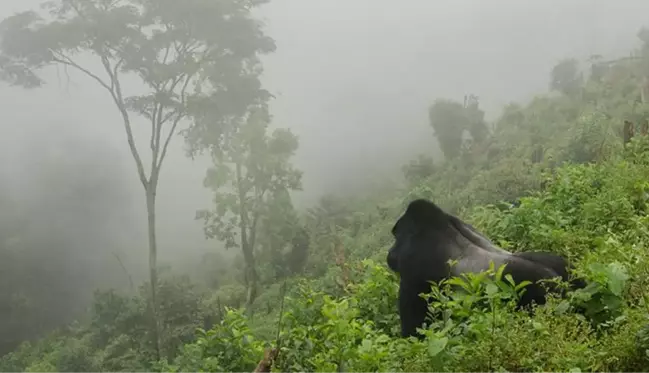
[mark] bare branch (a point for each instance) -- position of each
(115, 71)
(114, 89)
(118, 98)
(160, 122)
(157, 108)
(170, 134)
(66, 61)
(156, 112)
(167, 50)
(266, 363)
(181, 114)
(126, 272)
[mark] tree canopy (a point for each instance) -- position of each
(251, 169)
(197, 59)
(451, 120)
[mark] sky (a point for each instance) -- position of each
(352, 78)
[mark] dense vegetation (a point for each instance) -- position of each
(553, 174)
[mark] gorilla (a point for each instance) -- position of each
(426, 237)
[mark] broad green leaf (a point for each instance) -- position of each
(436, 345)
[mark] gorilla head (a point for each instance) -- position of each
(426, 238)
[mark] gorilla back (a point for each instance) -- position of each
(551, 260)
(426, 237)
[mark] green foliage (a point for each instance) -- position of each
(603, 298)
(325, 222)
(117, 334)
(120, 325)
(251, 178)
(284, 241)
(476, 125)
(478, 331)
(451, 119)
(228, 347)
(245, 169)
(582, 195)
(418, 170)
(198, 61)
(566, 78)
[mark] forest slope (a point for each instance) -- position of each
(579, 192)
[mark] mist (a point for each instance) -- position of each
(353, 79)
(358, 76)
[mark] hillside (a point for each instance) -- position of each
(553, 175)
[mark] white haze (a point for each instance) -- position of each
(353, 78)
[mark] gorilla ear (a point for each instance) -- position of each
(425, 212)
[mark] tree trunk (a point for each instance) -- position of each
(247, 242)
(266, 364)
(628, 131)
(251, 277)
(150, 191)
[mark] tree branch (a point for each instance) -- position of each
(115, 91)
(118, 99)
(121, 264)
(257, 214)
(157, 126)
(116, 69)
(64, 60)
(155, 112)
(181, 114)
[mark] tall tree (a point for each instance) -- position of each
(249, 168)
(418, 169)
(197, 59)
(566, 78)
(283, 239)
(449, 121)
(476, 124)
(643, 68)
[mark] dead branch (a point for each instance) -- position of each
(265, 365)
(121, 264)
(628, 131)
(341, 261)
